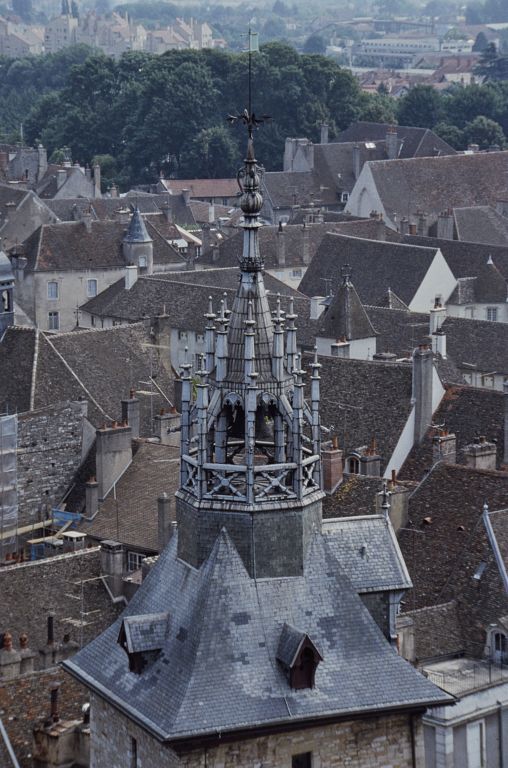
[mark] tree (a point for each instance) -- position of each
(314, 44)
(421, 107)
(274, 28)
(481, 42)
(65, 10)
(211, 154)
(484, 132)
(451, 134)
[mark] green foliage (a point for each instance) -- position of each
(314, 44)
(422, 107)
(144, 114)
(484, 132)
(487, 12)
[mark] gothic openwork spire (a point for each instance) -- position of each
(250, 443)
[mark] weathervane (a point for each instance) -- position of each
(247, 117)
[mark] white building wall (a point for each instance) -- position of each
(438, 281)
(364, 198)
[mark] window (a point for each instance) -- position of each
(142, 262)
(475, 741)
(134, 753)
(353, 465)
(134, 560)
(296, 273)
(182, 335)
(5, 301)
(344, 197)
(492, 314)
(54, 321)
(303, 760)
(91, 287)
(52, 289)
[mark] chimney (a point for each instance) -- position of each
(91, 497)
(445, 225)
(392, 143)
(211, 213)
(422, 224)
(164, 520)
(54, 688)
(437, 316)
(88, 173)
(316, 307)
(404, 226)
(281, 246)
(131, 276)
(356, 161)
(331, 466)
(423, 371)
(439, 343)
(412, 229)
(97, 180)
(113, 454)
(444, 448)
(399, 505)
(480, 455)
(340, 348)
(10, 660)
(370, 461)
(131, 413)
(167, 428)
(473, 148)
(86, 218)
(324, 133)
(61, 177)
(186, 196)
(113, 190)
(168, 212)
(48, 656)
(112, 565)
(27, 655)
(42, 161)
(306, 244)
(289, 153)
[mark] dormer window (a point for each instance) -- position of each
(298, 656)
(142, 638)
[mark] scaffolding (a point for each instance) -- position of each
(8, 486)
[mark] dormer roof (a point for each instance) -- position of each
(291, 644)
(345, 316)
(137, 232)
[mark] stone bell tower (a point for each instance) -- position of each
(250, 444)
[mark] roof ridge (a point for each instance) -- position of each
(35, 360)
(384, 242)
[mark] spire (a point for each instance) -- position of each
(136, 232)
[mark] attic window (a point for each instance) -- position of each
(298, 656)
(142, 638)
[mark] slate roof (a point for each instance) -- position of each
(231, 249)
(414, 142)
(453, 497)
(145, 633)
(227, 277)
(284, 189)
(223, 635)
(291, 640)
(129, 515)
(477, 342)
(468, 412)
(465, 259)
(398, 330)
(107, 208)
(17, 347)
(149, 296)
(345, 316)
(356, 495)
(362, 399)
(136, 231)
(375, 267)
(99, 366)
(203, 187)
(482, 224)
(433, 184)
(68, 245)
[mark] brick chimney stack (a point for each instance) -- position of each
(423, 372)
(481, 455)
(331, 463)
(131, 413)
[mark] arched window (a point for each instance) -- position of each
(5, 301)
(499, 647)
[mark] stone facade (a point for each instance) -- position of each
(26, 699)
(370, 743)
(50, 449)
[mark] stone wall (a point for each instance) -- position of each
(49, 454)
(30, 591)
(26, 699)
(383, 741)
